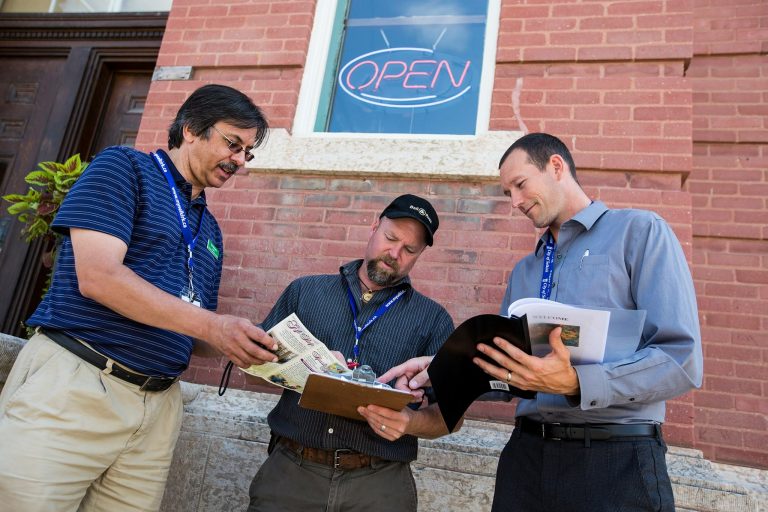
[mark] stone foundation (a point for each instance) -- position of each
(224, 440)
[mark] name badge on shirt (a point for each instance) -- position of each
(190, 297)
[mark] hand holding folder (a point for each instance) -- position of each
(456, 380)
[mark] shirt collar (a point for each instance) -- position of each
(587, 217)
(180, 181)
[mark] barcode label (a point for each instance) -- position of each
(498, 385)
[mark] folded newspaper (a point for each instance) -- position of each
(299, 354)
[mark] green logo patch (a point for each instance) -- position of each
(213, 249)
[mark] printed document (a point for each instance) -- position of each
(584, 330)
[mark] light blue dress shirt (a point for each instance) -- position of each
(627, 259)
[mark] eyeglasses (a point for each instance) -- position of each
(235, 148)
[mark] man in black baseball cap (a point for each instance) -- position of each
(409, 205)
(370, 314)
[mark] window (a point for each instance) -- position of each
(84, 5)
(401, 67)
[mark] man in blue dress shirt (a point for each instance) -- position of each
(591, 439)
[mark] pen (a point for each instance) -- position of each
(581, 262)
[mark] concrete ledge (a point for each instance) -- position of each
(223, 442)
(10, 346)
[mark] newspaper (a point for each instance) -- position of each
(585, 331)
(299, 354)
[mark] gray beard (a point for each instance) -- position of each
(381, 277)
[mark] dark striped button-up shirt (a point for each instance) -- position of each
(414, 326)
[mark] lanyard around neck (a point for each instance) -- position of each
(186, 231)
(549, 267)
(359, 329)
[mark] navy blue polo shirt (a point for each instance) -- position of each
(124, 193)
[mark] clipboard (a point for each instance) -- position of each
(342, 397)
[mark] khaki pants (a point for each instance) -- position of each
(75, 439)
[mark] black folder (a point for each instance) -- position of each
(456, 380)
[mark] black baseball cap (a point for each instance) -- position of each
(414, 207)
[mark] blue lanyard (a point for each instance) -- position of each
(186, 232)
(549, 267)
(359, 330)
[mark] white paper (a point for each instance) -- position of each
(584, 330)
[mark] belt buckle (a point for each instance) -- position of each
(337, 455)
(146, 384)
(151, 382)
(544, 431)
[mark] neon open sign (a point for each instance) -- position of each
(405, 78)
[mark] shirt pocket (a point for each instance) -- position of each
(586, 281)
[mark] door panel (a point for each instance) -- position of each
(119, 123)
(28, 88)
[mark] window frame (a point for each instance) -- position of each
(315, 77)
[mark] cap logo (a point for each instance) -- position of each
(422, 212)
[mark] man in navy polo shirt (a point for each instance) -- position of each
(91, 411)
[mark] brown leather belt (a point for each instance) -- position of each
(337, 459)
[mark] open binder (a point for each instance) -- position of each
(456, 380)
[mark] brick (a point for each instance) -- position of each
(633, 8)
(733, 386)
(323, 232)
(634, 37)
(265, 261)
(605, 53)
(549, 54)
(720, 436)
(634, 143)
(661, 113)
(476, 276)
(714, 400)
(276, 229)
(607, 23)
(758, 405)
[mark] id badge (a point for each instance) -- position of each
(190, 297)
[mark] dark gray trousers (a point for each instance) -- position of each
(285, 482)
(617, 475)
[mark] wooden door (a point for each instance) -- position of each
(68, 84)
(28, 86)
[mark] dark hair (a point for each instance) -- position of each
(540, 147)
(213, 103)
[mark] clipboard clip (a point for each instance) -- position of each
(364, 373)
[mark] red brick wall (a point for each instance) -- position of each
(729, 186)
(617, 80)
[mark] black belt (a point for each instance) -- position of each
(586, 432)
(145, 382)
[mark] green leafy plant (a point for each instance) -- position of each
(49, 184)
